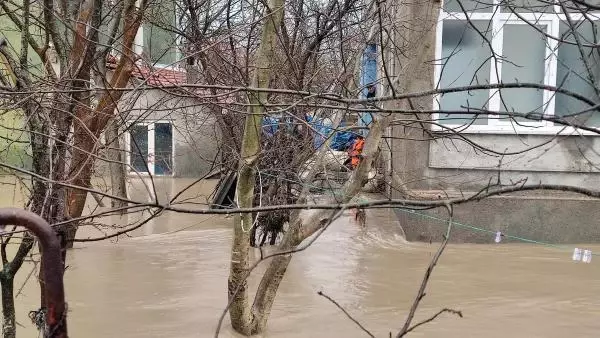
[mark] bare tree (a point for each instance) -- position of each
(62, 125)
(251, 62)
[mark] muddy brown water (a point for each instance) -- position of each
(169, 280)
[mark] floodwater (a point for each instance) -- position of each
(169, 280)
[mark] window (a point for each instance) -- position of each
(516, 41)
(159, 34)
(150, 148)
(368, 81)
(571, 70)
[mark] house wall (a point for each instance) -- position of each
(194, 130)
(568, 160)
(548, 218)
(195, 133)
(454, 166)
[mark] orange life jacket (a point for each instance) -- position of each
(355, 151)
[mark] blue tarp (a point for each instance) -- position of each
(340, 140)
(270, 125)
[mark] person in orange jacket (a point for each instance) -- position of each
(355, 153)
(354, 158)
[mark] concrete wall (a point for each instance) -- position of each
(555, 219)
(571, 160)
(194, 129)
(196, 136)
(454, 164)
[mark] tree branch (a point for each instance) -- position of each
(421, 293)
(321, 293)
(432, 318)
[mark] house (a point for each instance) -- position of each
(164, 134)
(530, 44)
(167, 134)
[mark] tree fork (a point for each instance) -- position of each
(239, 312)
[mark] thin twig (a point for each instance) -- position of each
(33, 270)
(421, 294)
(321, 293)
(432, 318)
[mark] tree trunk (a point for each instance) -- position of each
(239, 312)
(300, 229)
(9, 330)
(118, 174)
(414, 71)
(7, 278)
(96, 120)
(82, 167)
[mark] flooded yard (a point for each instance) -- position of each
(169, 279)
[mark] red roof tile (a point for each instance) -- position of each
(153, 76)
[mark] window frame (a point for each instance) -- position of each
(150, 125)
(498, 19)
(369, 74)
(179, 22)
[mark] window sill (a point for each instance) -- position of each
(514, 130)
(167, 67)
(133, 174)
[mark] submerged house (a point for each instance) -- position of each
(166, 134)
(479, 43)
(163, 134)
(472, 42)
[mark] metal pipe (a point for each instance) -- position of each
(52, 265)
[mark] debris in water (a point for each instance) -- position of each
(587, 256)
(498, 237)
(577, 254)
